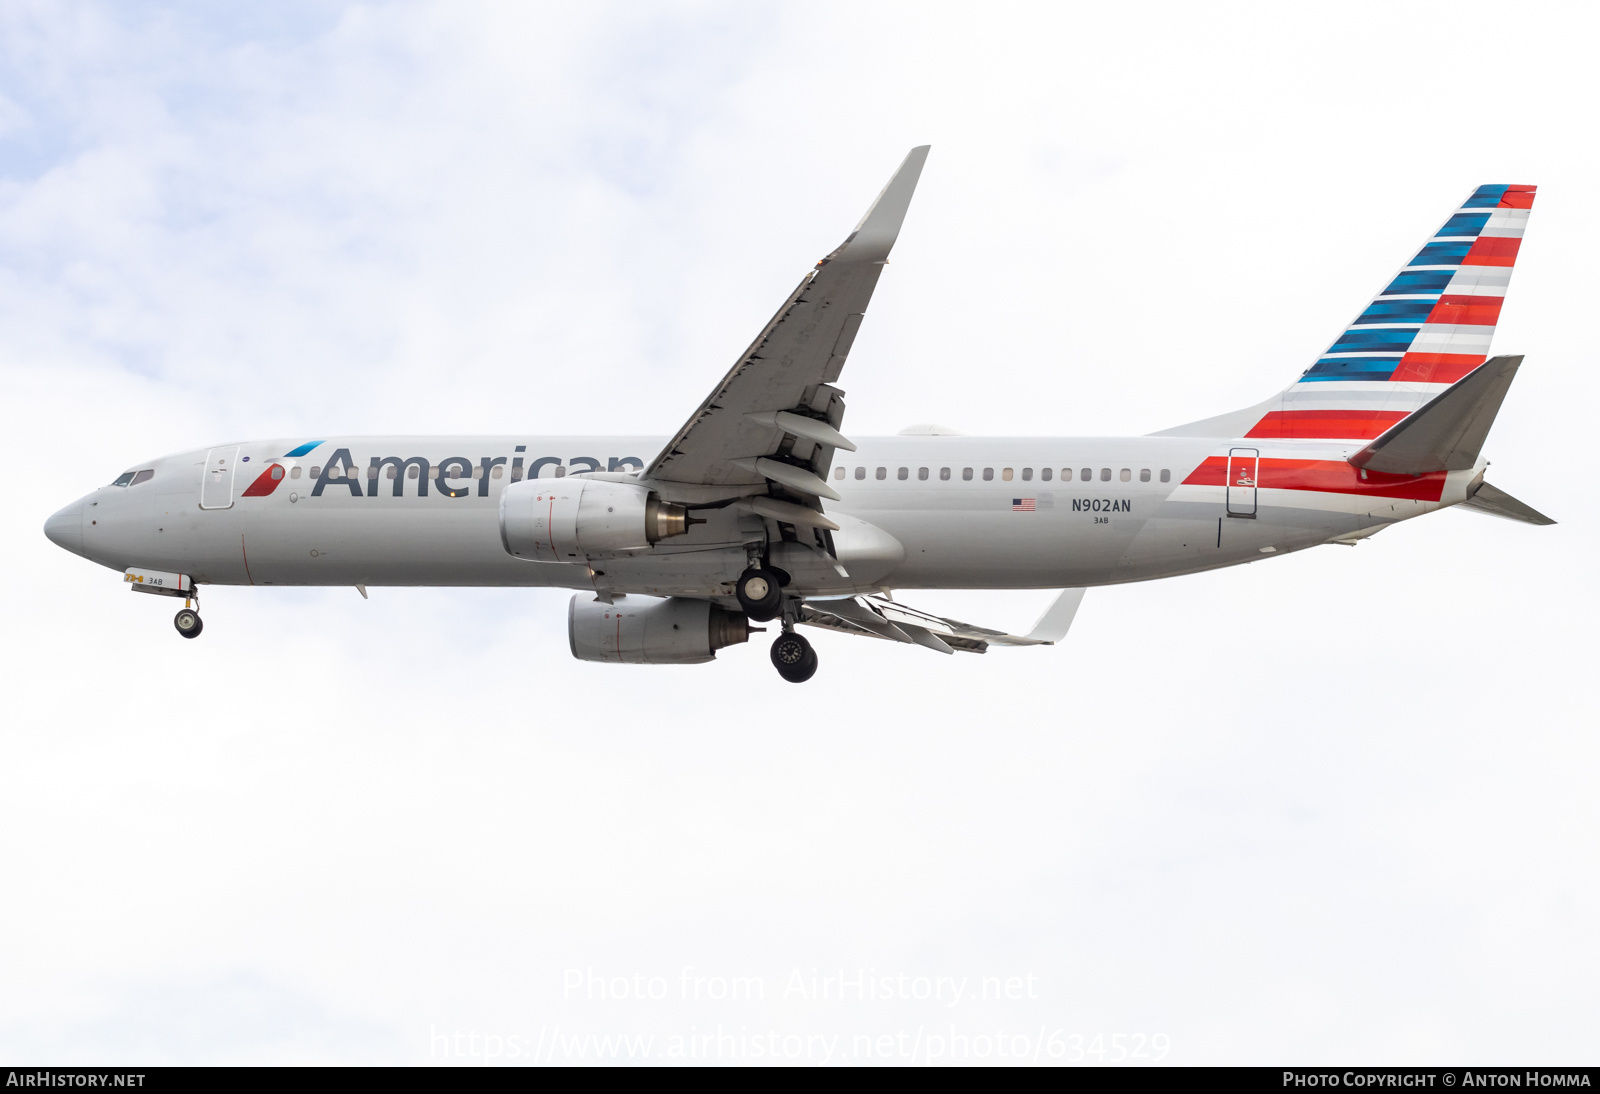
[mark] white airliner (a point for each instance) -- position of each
(759, 508)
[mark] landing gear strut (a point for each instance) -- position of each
(794, 658)
(188, 622)
(760, 594)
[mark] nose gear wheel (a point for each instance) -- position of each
(188, 623)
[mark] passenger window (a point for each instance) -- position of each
(1027, 474)
(1105, 474)
(477, 472)
(903, 474)
(411, 472)
(1086, 474)
(922, 474)
(316, 472)
(944, 474)
(143, 476)
(124, 479)
(1005, 474)
(1144, 474)
(861, 472)
(277, 473)
(966, 474)
(1126, 475)
(294, 472)
(495, 474)
(988, 474)
(838, 472)
(1166, 475)
(881, 474)
(1045, 473)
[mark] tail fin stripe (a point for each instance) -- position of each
(1493, 251)
(1352, 368)
(1355, 425)
(1505, 197)
(1422, 281)
(1441, 254)
(1467, 310)
(1386, 311)
(1507, 222)
(1375, 340)
(1465, 224)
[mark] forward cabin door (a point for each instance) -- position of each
(1243, 463)
(216, 487)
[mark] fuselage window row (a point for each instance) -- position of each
(1046, 474)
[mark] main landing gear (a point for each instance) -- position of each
(794, 658)
(760, 593)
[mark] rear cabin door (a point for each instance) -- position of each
(216, 487)
(1243, 463)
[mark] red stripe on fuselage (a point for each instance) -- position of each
(1324, 477)
(1325, 424)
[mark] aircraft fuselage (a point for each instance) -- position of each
(916, 512)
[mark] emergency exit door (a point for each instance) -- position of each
(216, 484)
(1243, 463)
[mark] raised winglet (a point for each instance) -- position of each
(1057, 618)
(875, 235)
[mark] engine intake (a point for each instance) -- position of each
(649, 630)
(570, 520)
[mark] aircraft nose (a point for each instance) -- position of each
(65, 529)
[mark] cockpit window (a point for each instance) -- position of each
(124, 479)
(143, 476)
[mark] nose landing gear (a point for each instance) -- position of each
(188, 623)
(794, 658)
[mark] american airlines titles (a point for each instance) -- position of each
(341, 471)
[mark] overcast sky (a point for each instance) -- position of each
(1338, 806)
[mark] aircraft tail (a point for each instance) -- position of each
(1429, 327)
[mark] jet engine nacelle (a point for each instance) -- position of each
(570, 520)
(649, 630)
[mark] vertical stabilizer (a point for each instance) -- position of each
(1428, 327)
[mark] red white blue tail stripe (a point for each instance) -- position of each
(1430, 325)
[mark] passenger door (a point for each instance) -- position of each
(216, 483)
(1243, 463)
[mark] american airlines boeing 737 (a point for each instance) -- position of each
(759, 508)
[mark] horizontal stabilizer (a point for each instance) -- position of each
(1498, 503)
(1446, 433)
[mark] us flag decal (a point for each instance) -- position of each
(1022, 505)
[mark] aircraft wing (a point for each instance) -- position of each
(771, 425)
(880, 617)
